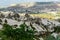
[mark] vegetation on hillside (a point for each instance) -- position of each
(25, 32)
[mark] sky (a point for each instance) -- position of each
(8, 2)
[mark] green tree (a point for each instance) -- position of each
(5, 21)
(57, 29)
(22, 33)
(2, 16)
(0, 21)
(9, 16)
(58, 37)
(50, 37)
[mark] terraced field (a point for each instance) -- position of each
(45, 15)
(49, 16)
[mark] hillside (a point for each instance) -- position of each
(33, 7)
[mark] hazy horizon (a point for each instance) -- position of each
(8, 2)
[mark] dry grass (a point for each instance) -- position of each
(49, 16)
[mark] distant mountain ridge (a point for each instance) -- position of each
(33, 7)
